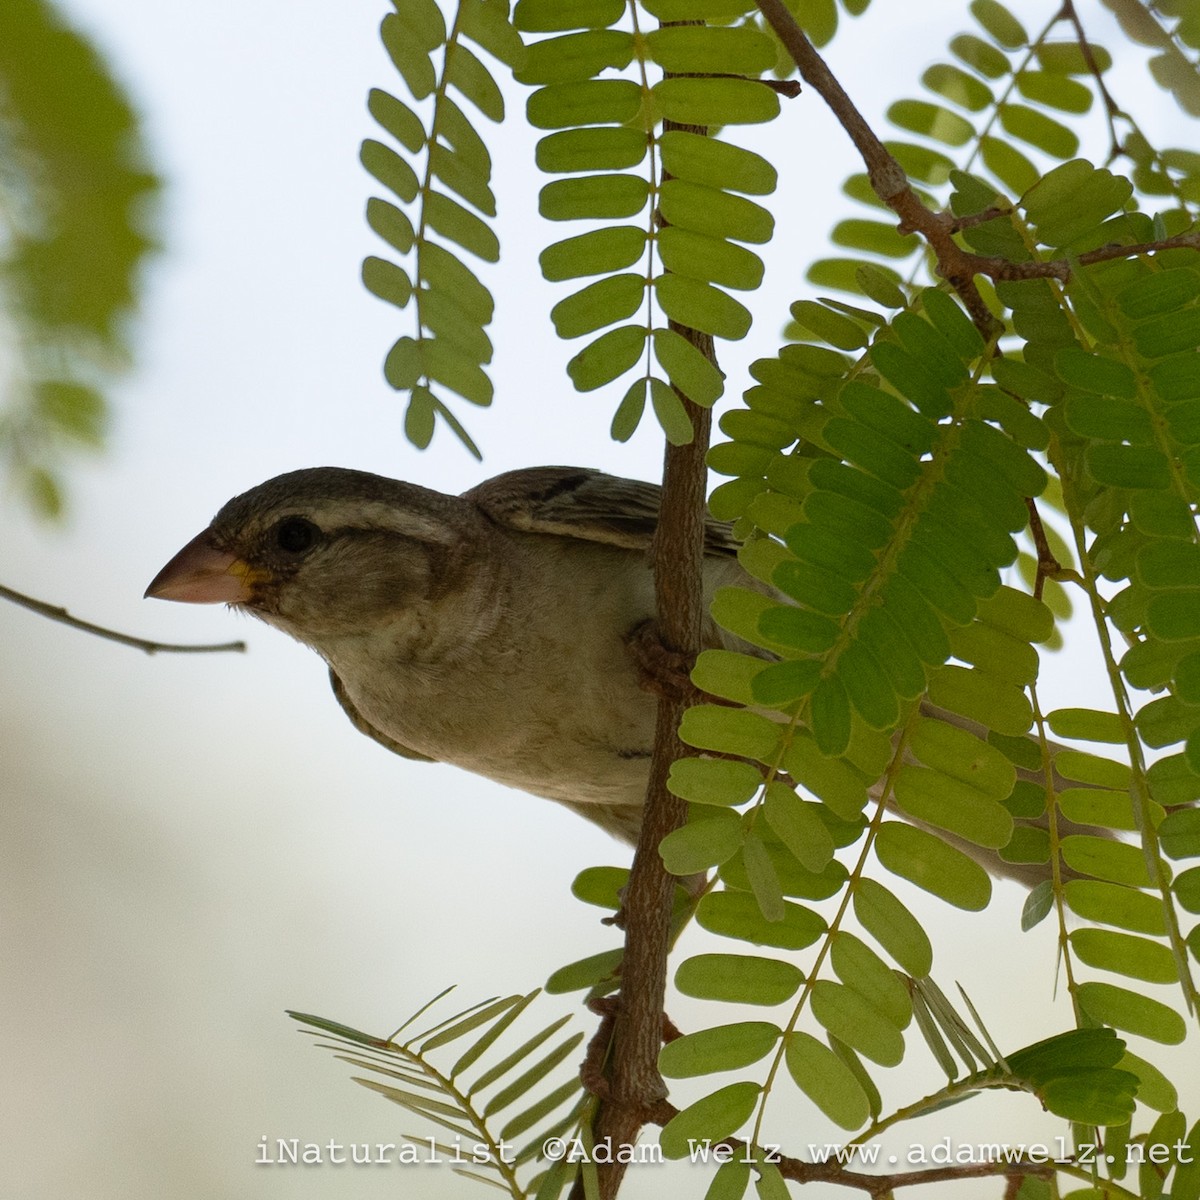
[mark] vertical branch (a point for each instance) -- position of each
(634, 1084)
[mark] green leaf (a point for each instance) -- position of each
(875, 237)
(614, 298)
(1086, 724)
(576, 56)
(932, 121)
(860, 968)
(738, 914)
(702, 843)
(1066, 58)
(1117, 862)
(829, 325)
(933, 865)
(698, 256)
(599, 197)
(1179, 834)
(705, 160)
(688, 369)
(715, 101)
(1108, 1004)
(937, 799)
(959, 753)
(448, 365)
(387, 281)
(1039, 130)
(1038, 905)
(420, 417)
(462, 177)
(1000, 23)
(738, 978)
(981, 55)
(586, 973)
(851, 1018)
(826, 1080)
(602, 149)
(462, 227)
(553, 16)
(958, 86)
(725, 1048)
(391, 224)
(1008, 164)
(832, 780)
(467, 73)
(711, 1119)
(891, 924)
(597, 253)
(707, 49)
(713, 781)
(441, 316)
(600, 886)
(607, 358)
(797, 824)
(528, 1079)
(408, 46)
(982, 697)
(672, 416)
(584, 102)
(1055, 91)
(1154, 1089)
(1115, 904)
(443, 272)
(699, 306)
(390, 169)
(397, 118)
(713, 212)
(1125, 954)
(730, 731)
(629, 412)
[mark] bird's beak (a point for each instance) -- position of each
(203, 573)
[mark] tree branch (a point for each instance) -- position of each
(956, 265)
(634, 1086)
(63, 617)
(834, 1172)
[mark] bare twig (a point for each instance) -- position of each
(54, 613)
(1112, 110)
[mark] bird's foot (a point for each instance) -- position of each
(662, 670)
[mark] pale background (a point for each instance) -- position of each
(193, 844)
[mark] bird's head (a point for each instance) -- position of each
(321, 552)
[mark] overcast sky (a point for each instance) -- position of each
(194, 844)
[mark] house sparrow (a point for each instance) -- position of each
(490, 630)
(495, 630)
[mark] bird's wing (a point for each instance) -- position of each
(582, 503)
(364, 726)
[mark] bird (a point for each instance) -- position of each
(497, 630)
(502, 630)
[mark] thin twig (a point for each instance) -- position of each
(54, 613)
(1112, 110)
(834, 1172)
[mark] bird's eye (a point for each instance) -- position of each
(295, 535)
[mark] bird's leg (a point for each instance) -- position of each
(591, 1070)
(661, 669)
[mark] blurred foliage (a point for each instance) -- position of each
(76, 205)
